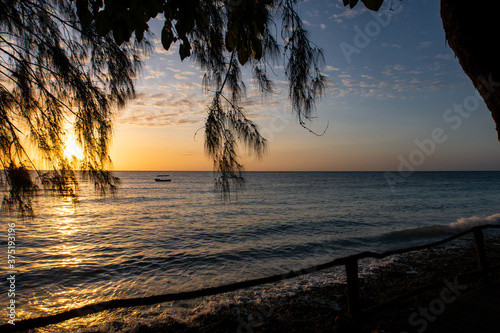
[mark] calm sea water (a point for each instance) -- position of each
(154, 237)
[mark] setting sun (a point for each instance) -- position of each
(72, 150)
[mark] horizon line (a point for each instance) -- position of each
(392, 171)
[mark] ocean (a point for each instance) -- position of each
(163, 237)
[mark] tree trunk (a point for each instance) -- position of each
(471, 30)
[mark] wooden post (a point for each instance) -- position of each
(481, 255)
(351, 270)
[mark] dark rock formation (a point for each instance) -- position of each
(471, 30)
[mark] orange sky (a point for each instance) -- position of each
(384, 100)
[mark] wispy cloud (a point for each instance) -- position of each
(320, 25)
(181, 76)
(185, 104)
(329, 68)
(160, 109)
(346, 13)
(444, 56)
(391, 70)
(424, 45)
(158, 47)
(395, 81)
(394, 45)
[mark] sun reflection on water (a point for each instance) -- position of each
(65, 218)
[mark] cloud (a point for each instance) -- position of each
(161, 71)
(391, 69)
(394, 45)
(434, 85)
(349, 82)
(313, 12)
(397, 86)
(347, 13)
(154, 74)
(189, 86)
(322, 25)
(329, 68)
(161, 109)
(184, 104)
(158, 47)
(180, 77)
(424, 45)
(183, 75)
(444, 56)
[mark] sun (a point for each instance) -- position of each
(72, 150)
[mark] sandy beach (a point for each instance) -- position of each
(314, 310)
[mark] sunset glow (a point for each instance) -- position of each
(72, 150)
(390, 88)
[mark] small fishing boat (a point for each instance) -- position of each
(162, 178)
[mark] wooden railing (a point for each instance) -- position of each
(351, 268)
(351, 263)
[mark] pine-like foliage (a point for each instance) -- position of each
(222, 37)
(73, 61)
(56, 78)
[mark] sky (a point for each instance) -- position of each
(397, 100)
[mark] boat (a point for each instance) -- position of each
(162, 178)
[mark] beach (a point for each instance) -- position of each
(315, 309)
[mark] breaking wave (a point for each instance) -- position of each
(466, 223)
(432, 231)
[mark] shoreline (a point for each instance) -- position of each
(314, 309)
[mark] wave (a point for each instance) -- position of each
(432, 231)
(466, 223)
(421, 232)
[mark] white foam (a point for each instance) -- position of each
(465, 223)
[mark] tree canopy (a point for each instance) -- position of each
(222, 37)
(73, 62)
(66, 66)
(469, 30)
(57, 78)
